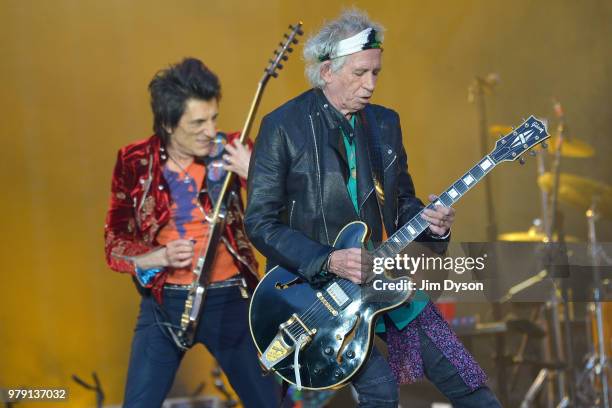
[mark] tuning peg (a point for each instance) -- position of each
(281, 44)
(286, 35)
(521, 161)
(297, 29)
(284, 58)
(295, 41)
(544, 145)
(289, 49)
(279, 66)
(274, 74)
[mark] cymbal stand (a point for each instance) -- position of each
(554, 225)
(544, 374)
(543, 222)
(551, 224)
(597, 360)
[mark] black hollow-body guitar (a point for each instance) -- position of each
(319, 337)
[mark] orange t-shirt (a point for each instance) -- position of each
(187, 221)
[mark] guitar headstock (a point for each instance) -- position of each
(280, 54)
(511, 146)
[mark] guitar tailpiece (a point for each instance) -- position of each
(296, 363)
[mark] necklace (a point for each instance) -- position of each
(187, 178)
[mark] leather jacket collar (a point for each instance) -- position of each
(335, 122)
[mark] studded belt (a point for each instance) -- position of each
(214, 285)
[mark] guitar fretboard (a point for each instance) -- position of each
(413, 228)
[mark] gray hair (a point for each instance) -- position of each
(326, 40)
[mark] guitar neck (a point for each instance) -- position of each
(270, 71)
(413, 228)
(243, 137)
(246, 129)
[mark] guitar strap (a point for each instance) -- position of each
(375, 154)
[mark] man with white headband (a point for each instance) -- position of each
(330, 157)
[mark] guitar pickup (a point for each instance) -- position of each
(280, 347)
(195, 310)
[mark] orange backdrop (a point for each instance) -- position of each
(74, 89)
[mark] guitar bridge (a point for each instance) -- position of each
(285, 341)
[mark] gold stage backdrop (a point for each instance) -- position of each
(74, 89)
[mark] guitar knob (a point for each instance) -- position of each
(317, 371)
(329, 351)
(337, 373)
(350, 354)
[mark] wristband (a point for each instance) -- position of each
(145, 276)
(434, 236)
(325, 270)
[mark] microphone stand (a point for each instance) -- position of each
(476, 94)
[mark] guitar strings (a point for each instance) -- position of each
(313, 313)
(316, 310)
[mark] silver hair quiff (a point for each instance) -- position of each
(326, 40)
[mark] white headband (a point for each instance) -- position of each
(364, 40)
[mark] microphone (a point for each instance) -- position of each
(482, 85)
(491, 80)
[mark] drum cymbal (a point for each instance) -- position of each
(572, 147)
(531, 235)
(580, 192)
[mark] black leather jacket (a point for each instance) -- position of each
(297, 195)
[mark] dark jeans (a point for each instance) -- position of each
(223, 329)
(377, 387)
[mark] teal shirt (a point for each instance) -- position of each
(402, 315)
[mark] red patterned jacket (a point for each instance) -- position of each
(140, 206)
